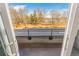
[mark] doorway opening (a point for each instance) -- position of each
(39, 27)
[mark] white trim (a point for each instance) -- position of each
(4, 39)
(71, 30)
(8, 24)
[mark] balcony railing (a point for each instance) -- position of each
(40, 32)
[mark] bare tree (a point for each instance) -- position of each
(66, 13)
(23, 14)
(14, 16)
(55, 15)
(33, 18)
(40, 13)
(23, 11)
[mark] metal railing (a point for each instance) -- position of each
(40, 32)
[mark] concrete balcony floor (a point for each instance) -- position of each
(39, 46)
(40, 52)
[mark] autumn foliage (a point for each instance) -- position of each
(37, 19)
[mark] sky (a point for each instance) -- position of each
(46, 6)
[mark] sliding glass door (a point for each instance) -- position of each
(71, 30)
(10, 43)
(8, 40)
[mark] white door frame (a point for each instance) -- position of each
(5, 14)
(71, 30)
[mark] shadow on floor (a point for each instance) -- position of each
(40, 49)
(40, 52)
